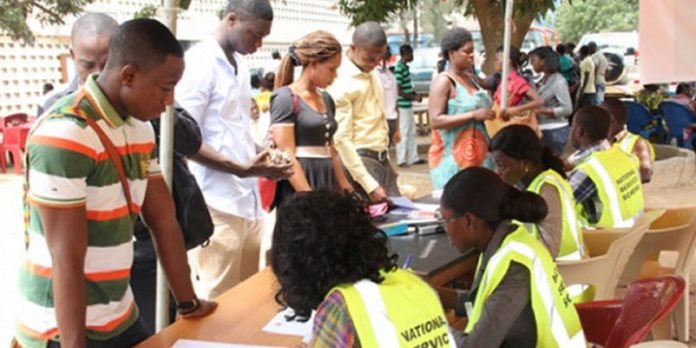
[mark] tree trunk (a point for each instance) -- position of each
(404, 27)
(491, 19)
(415, 28)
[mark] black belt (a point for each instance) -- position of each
(380, 156)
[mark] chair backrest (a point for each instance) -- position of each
(16, 137)
(603, 269)
(638, 117)
(13, 120)
(675, 230)
(646, 302)
(678, 117)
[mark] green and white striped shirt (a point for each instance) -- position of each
(403, 80)
(67, 166)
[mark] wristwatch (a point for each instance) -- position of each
(187, 307)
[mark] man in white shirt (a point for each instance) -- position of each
(388, 80)
(216, 91)
(601, 66)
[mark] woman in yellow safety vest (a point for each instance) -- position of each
(328, 256)
(522, 159)
(518, 298)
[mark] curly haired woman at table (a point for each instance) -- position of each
(328, 256)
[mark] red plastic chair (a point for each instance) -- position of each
(617, 323)
(15, 140)
(3, 159)
(13, 120)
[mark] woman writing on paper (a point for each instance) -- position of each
(518, 298)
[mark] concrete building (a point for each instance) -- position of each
(25, 69)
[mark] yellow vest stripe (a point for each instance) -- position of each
(568, 210)
(384, 331)
(614, 199)
(401, 311)
(556, 319)
(545, 293)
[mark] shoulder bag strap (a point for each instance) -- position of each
(295, 103)
(108, 146)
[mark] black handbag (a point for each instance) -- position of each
(191, 209)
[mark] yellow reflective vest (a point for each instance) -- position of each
(557, 321)
(628, 142)
(402, 311)
(619, 187)
(572, 246)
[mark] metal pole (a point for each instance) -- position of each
(506, 54)
(166, 160)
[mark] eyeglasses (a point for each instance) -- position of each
(442, 220)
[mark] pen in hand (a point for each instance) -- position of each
(407, 262)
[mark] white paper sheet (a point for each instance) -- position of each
(437, 194)
(206, 344)
(429, 207)
(403, 202)
(280, 325)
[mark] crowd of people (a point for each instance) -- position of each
(92, 174)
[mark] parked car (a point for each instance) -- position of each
(423, 68)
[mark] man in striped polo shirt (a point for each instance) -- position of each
(74, 280)
(406, 150)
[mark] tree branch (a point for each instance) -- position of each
(47, 11)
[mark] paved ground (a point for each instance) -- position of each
(11, 235)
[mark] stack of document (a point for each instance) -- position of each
(418, 215)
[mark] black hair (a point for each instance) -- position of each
(683, 88)
(521, 143)
(592, 46)
(276, 55)
(517, 58)
(481, 192)
(570, 46)
(321, 239)
(250, 9)
(93, 25)
(142, 42)
(405, 49)
(594, 121)
(454, 39)
(47, 87)
(268, 80)
(616, 108)
(552, 61)
(369, 34)
(561, 49)
(584, 51)
(255, 81)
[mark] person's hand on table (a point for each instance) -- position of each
(378, 195)
(205, 307)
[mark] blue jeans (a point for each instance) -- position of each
(599, 95)
(556, 138)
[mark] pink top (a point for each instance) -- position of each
(517, 88)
